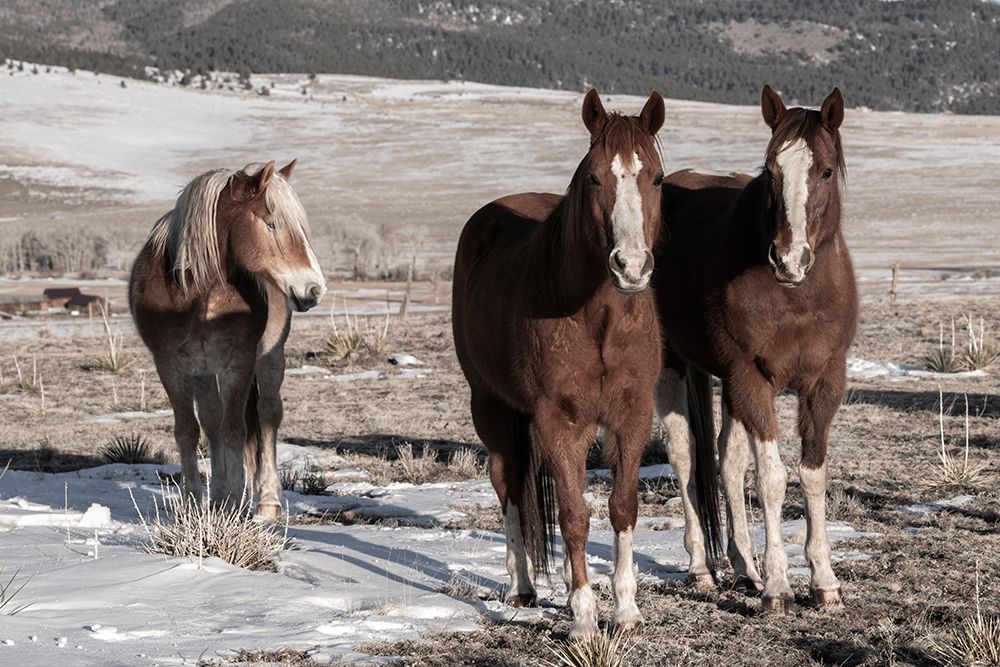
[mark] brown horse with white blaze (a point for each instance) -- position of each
(212, 293)
(558, 337)
(755, 286)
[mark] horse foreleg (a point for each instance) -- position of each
(270, 372)
(229, 480)
(734, 459)
(186, 430)
(771, 482)
(671, 405)
(624, 453)
(564, 448)
(816, 410)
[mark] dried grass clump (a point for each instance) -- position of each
(465, 464)
(598, 650)
(28, 384)
(980, 351)
(416, 470)
(975, 642)
(362, 336)
(187, 527)
(956, 471)
(9, 591)
(130, 449)
(304, 480)
(461, 587)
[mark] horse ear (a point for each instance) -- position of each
(594, 115)
(771, 107)
(286, 171)
(832, 112)
(653, 113)
(260, 180)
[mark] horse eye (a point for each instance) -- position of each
(658, 181)
(827, 173)
(270, 224)
(593, 179)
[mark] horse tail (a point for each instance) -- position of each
(252, 451)
(706, 477)
(537, 495)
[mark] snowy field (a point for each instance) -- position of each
(96, 598)
(921, 188)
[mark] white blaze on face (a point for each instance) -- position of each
(795, 159)
(627, 219)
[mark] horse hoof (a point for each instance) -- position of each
(702, 583)
(750, 586)
(522, 600)
(830, 598)
(775, 606)
(269, 511)
(629, 625)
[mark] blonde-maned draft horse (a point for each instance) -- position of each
(212, 293)
(755, 286)
(558, 337)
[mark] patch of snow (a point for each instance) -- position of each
(306, 370)
(862, 370)
(938, 505)
(115, 417)
(352, 377)
(404, 359)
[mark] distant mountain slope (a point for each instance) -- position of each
(914, 55)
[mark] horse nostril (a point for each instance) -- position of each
(806, 260)
(314, 292)
(647, 266)
(772, 256)
(619, 263)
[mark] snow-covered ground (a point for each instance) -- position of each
(96, 597)
(921, 188)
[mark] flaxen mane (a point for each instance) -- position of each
(187, 237)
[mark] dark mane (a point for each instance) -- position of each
(799, 123)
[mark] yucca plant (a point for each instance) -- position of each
(360, 336)
(9, 591)
(956, 471)
(976, 641)
(113, 359)
(944, 359)
(130, 449)
(599, 650)
(188, 527)
(980, 352)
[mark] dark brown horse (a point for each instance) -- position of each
(212, 294)
(755, 286)
(558, 337)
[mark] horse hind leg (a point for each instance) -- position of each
(671, 405)
(734, 459)
(497, 425)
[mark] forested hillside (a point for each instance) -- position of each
(914, 55)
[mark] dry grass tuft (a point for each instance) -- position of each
(461, 587)
(283, 657)
(191, 528)
(980, 352)
(362, 336)
(304, 480)
(113, 358)
(25, 384)
(975, 642)
(465, 464)
(130, 449)
(416, 470)
(9, 591)
(956, 471)
(599, 650)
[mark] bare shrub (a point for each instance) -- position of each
(289, 477)
(9, 591)
(956, 470)
(602, 649)
(187, 527)
(416, 470)
(130, 449)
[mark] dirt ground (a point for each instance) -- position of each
(918, 583)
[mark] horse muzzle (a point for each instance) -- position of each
(788, 272)
(307, 299)
(630, 272)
